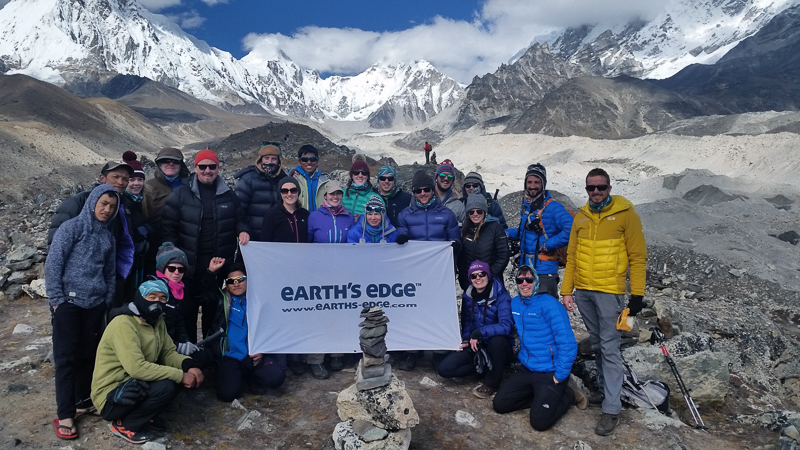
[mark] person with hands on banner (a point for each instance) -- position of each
(288, 221)
(238, 366)
(138, 370)
(482, 238)
(486, 324)
(374, 225)
(547, 350)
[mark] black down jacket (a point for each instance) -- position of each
(491, 247)
(257, 195)
(182, 217)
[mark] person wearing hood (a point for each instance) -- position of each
(359, 187)
(395, 198)
(138, 369)
(486, 325)
(373, 226)
(547, 350)
(288, 221)
(331, 222)
(80, 279)
(473, 184)
(543, 229)
(312, 181)
(445, 177)
(482, 239)
(258, 187)
(204, 220)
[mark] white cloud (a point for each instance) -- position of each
(158, 5)
(214, 2)
(187, 20)
(458, 48)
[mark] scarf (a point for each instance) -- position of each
(597, 207)
(426, 205)
(176, 289)
(136, 198)
(175, 181)
(333, 209)
(389, 195)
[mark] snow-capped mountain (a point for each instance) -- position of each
(80, 44)
(685, 32)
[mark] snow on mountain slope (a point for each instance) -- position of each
(63, 41)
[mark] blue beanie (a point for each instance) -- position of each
(387, 170)
(148, 287)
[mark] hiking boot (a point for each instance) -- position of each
(408, 362)
(134, 437)
(595, 398)
(437, 359)
(484, 391)
(337, 363)
(157, 424)
(606, 424)
(319, 371)
(580, 398)
(297, 367)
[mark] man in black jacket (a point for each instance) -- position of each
(396, 200)
(204, 220)
(258, 188)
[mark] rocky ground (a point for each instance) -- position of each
(735, 322)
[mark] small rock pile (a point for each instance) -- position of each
(377, 411)
(22, 272)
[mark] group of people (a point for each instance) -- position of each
(132, 264)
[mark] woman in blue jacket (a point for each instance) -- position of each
(486, 322)
(330, 223)
(373, 226)
(547, 350)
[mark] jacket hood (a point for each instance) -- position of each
(535, 283)
(87, 216)
(219, 183)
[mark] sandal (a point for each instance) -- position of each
(65, 431)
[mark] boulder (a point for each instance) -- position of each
(36, 289)
(21, 253)
(344, 438)
(389, 407)
(22, 329)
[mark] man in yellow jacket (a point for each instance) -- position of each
(605, 243)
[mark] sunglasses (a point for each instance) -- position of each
(170, 162)
(476, 275)
(203, 167)
(289, 191)
(472, 185)
(528, 280)
(176, 268)
(599, 187)
(360, 172)
(475, 212)
(421, 190)
(236, 280)
(309, 159)
(445, 175)
(386, 178)
(373, 209)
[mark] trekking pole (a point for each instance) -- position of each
(657, 336)
(211, 338)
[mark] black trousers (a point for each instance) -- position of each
(233, 373)
(76, 334)
(461, 364)
(548, 282)
(134, 417)
(547, 400)
(191, 304)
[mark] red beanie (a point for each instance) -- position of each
(205, 154)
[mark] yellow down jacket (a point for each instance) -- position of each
(602, 246)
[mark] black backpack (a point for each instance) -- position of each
(651, 394)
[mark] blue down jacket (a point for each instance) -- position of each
(434, 223)
(492, 317)
(557, 223)
(326, 228)
(547, 343)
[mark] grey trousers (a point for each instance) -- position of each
(600, 311)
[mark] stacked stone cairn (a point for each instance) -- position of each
(376, 410)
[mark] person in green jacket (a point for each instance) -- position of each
(138, 369)
(359, 188)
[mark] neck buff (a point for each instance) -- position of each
(373, 231)
(137, 198)
(359, 187)
(426, 205)
(333, 209)
(149, 311)
(599, 206)
(535, 203)
(176, 289)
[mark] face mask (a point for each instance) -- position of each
(149, 311)
(270, 168)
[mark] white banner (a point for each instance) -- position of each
(306, 298)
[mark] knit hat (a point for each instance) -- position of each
(332, 186)
(537, 170)
(359, 163)
(473, 177)
(446, 166)
(479, 265)
(269, 148)
(131, 158)
(287, 179)
(421, 180)
(375, 201)
(387, 170)
(150, 286)
(476, 201)
(307, 148)
(169, 153)
(205, 154)
(167, 254)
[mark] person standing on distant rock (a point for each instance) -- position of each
(427, 149)
(543, 229)
(312, 181)
(258, 188)
(606, 242)
(203, 219)
(395, 199)
(80, 278)
(359, 187)
(445, 177)
(473, 183)
(482, 239)
(547, 350)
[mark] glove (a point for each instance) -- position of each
(402, 239)
(128, 393)
(187, 348)
(635, 304)
(476, 334)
